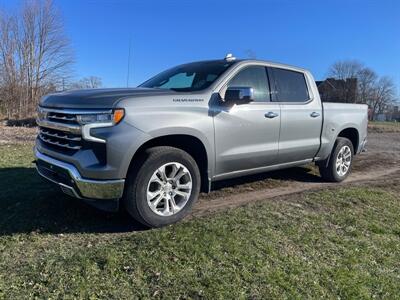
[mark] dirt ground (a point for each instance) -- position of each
(380, 163)
(17, 135)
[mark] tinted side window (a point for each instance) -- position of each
(254, 77)
(289, 86)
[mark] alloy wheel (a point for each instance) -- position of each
(169, 189)
(343, 161)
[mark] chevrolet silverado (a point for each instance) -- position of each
(154, 148)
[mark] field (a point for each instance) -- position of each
(384, 126)
(276, 235)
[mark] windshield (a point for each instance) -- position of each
(189, 77)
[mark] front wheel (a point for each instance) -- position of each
(340, 161)
(163, 189)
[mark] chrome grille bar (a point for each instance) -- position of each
(75, 111)
(60, 136)
(58, 143)
(72, 128)
(70, 118)
(62, 127)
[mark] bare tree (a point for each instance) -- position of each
(345, 69)
(383, 96)
(346, 74)
(378, 93)
(34, 56)
(91, 82)
(366, 79)
(8, 61)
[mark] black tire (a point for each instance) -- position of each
(328, 170)
(135, 195)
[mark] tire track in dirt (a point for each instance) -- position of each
(380, 163)
(208, 206)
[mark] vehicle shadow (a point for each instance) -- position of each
(28, 203)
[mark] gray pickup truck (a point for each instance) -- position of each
(157, 146)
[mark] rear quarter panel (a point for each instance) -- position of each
(340, 116)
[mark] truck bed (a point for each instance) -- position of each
(342, 115)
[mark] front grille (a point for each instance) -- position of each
(60, 130)
(60, 139)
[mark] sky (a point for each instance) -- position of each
(308, 34)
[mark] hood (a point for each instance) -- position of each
(97, 98)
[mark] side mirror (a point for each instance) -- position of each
(239, 95)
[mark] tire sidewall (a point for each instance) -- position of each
(143, 178)
(340, 143)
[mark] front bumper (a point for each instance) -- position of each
(71, 182)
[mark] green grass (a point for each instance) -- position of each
(385, 123)
(376, 126)
(331, 244)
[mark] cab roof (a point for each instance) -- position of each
(249, 61)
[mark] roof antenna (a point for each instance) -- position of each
(229, 57)
(129, 63)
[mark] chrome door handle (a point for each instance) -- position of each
(271, 115)
(314, 114)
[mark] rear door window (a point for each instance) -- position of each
(288, 86)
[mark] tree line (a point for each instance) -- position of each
(351, 81)
(35, 58)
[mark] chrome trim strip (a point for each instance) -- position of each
(55, 117)
(75, 129)
(88, 188)
(64, 137)
(76, 112)
(58, 143)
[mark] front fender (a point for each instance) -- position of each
(191, 121)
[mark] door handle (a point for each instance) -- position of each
(314, 114)
(271, 115)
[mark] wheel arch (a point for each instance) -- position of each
(353, 135)
(189, 143)
(349, 132)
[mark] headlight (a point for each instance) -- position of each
(104, 119)
(93, 120)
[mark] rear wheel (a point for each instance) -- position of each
(163, 188)
(340, 161)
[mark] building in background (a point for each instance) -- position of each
(338, 90)
(391, 114)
